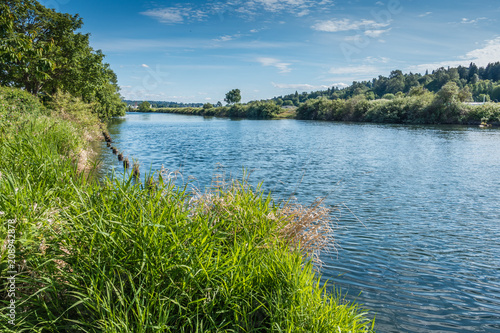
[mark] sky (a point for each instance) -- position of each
(197, 51)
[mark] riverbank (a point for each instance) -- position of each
(425, 108)
(125, 256)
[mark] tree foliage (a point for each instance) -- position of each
(474, 83)
(41, 53)
(233, 96)
(419, 107)
(144, 107)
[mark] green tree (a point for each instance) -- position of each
(233, 96)
(495, 94)
(41, 53)
(396, 82)
(207, 106)
(144, 107)
(465, 94)
(448, 94)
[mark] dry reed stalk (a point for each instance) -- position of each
(307, 227)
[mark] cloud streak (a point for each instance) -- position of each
(338, 25)
(185, 12)
(282, 66)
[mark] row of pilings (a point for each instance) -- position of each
(126, 163)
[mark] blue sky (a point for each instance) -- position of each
(197, 51)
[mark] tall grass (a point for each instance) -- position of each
(122, 256)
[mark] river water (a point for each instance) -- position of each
(417, 224)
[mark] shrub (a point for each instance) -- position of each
(15, 100)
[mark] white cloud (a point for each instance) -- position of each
(469, 21)
(373, 60)
(353, 70)
(425, 14)
(308, 87)
(302, 86)
(347, 25)
(481, 57)
(282, 66)
(340, 85)
(165, 15)
(303, 12)
(145, 66)
(227, 38)
(279, 5)
(376, 33)
(177, 14)
(182, 12)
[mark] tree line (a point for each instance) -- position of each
(162, 104)
(482, 82)
(419, 106)
(41, 53)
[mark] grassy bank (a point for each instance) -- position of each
(121, 256)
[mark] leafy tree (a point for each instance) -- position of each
(448, 93)
(417, 91)
(41, 53)
(144, 107)
(465, 94)
(495, 94)
(396, 82)
(233, 96)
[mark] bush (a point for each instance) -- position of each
(66, 106)
(17, 101)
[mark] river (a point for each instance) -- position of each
(417, 219)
